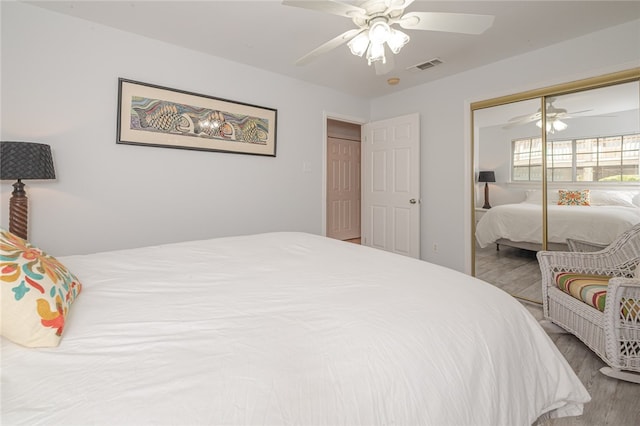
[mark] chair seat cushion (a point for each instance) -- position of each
(591, 289)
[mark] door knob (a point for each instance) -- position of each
(413, 201)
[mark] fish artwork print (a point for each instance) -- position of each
(154, 115)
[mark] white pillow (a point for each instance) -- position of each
(534, 196)
(613, 198)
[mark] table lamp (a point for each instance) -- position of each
(23, 160)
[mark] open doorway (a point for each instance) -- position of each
(384, 212)
(343, 200)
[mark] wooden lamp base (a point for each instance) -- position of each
(18, 210)
(486, 196)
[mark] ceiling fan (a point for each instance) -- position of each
(555, 116)
(375, 20)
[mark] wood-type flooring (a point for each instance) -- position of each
(614, 402)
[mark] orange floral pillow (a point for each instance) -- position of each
(574, 198)
(37, 292)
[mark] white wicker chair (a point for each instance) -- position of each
(615, 333)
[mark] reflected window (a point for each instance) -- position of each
(526, 160)
(560, 161)
(609, 159)
(603, 159)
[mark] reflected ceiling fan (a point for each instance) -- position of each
(555, 116)
(375, 32)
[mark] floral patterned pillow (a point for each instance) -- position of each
(574, 198)
(37, 292)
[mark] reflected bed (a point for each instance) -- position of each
(520, 224)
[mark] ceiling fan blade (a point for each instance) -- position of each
(579, 112)
(512, 125)
(528, 118)
(514, 122)
(328, 6)
(525, 118)
(331, 44)
(449, 22)
(396, 5)
(382, 69)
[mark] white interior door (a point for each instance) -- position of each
(391, 185)
(343, 189)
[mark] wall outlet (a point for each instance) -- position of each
(435, 247)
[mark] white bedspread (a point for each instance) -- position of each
(286, 328)
(523, 223)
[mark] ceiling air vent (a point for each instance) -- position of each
(429, 64)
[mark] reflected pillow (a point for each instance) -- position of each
(534, 196)
(37, 293)
(613, 198)
(573, 198)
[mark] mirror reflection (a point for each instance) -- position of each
(592, 165)
(509, 229)
(592, 180)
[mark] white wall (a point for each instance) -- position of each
(59, 86)
(445, 124)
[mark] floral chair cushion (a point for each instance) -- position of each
(37, 293)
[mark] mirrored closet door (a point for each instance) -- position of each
(550, 165)
(593, 139)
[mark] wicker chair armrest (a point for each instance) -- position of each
(620, 282)
(622, 323)
(584, 246)
(603, 262)
(624, 288)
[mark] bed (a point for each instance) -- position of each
(285, 328)
(520, 225)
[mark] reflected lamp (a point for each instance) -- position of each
(486, 177)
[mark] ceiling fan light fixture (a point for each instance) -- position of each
(553, 125)
(396, 41)
(359, 44)
(379, 30)
(376, 53)
(373, 39)
(559, 125)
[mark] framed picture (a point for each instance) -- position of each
(163, 117)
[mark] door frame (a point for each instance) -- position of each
(325, 117)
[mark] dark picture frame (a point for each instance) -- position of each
(160, 116)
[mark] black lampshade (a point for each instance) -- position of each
(26, 160)
(487, 176)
